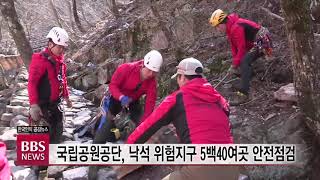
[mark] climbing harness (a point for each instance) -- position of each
(263, 41)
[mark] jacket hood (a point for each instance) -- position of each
(200, 88)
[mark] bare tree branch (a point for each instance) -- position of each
(113, 7)
(55, 13)
(272, 14)
(69, 4)
(1, 28)
(76, 16)
(84, 16)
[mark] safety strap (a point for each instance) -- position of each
(138, 87)
(104, 106)
(59, 74)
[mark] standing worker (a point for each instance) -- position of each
(47, 87)
(200, 116)
(248, 41)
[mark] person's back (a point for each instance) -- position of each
(200, 116)
(197, 110)
(200, 119)
(238, 27)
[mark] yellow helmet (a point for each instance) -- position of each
(217, 17)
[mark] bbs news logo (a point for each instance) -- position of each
(33, 145)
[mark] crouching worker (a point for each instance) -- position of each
(200, 116)
(47, 86)
(129, 82)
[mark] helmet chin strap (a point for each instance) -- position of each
(51, 47)
(141, 74)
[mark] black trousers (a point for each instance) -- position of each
(54, 117)
(103, 134)
(246, 69)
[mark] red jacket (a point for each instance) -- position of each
(236, 32)
(43, 84)
(125, 80)
(196, 112)
(5, 171)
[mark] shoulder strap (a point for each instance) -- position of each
(138, 86)
(250, 31)
(48, 57)
(53, 63)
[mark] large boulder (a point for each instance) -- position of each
(80, 173)
(286, 93)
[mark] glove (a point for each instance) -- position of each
(125, 101)
(225, 106)
(35, 112)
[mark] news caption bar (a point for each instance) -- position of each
(165, 154)
(34, 148)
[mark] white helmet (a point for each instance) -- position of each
(59, 36)
(153, 60)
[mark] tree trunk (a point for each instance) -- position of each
(306, 64)
(16, 30)
(70, 13)
(1, 29)
(113, 8)
(84, 16)
(55, 13)
(315, 10)
(76, 16)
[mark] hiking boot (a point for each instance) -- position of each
(238, 98)
(43, 175)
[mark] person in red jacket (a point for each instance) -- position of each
(128, 84)
(200, 116)
(47, 85)
(5, 172)
(248, 41)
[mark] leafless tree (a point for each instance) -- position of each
(315, 9)
(63, 24)
(305, 61)
(113, 8)
(84, 16)
(55, 12)
(16, 30)
(1, 28)
(76, 16)
(69, 4)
